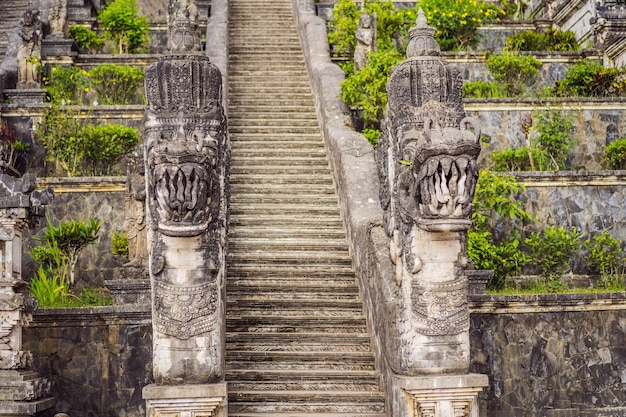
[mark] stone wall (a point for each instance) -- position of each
(551, 355)
(555, 355)
(597, 123)
(98, 359)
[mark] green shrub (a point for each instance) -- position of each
(481, 89)
(84, 149)
(551, 250)
(555, 136)
(456, 21)
(116, 84)
(607, 257)
(519, 159)
(616, 154)
(106, 145)
(61, 135)
(123, 26)
(548, 149)
(64, 243)
(496, 204)
(119, 244)
(590, 79)
(86, 38)
(49, 289)
(366, 89)
(371, 135)
(66, 85)
(553, 40)
(514, 72)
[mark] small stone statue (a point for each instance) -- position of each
(365, 39)
(135, 222)
(58, 18)
(183, 26)
(29, 52)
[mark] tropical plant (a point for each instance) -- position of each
(123, 26)
(366, 89)
(63, 245)
(551, 250)
(482, 89)
(552, 40)
(61, 135)
(496, 207)
(616, 154)
(119, 244)
(607, 257)
(456, 21)
(106, 145)
(551, 144)
(591, 79)
(514, 72)
(116, 84)
(66, 85)
(48, 289)
(86, 38)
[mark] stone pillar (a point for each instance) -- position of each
(187, 154)
(427, 165)
(22, 391)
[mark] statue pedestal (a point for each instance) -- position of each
(129, 291)
(437, 396)
(58, 50)
(208, 400)
(26, 97)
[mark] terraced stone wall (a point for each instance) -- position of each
(98, 359)
(551, 355)
(548, 356)
(597, 123)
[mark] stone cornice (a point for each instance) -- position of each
(92, 316)
(83, 184)
(533, 104)
(544, 303)
(570, 178)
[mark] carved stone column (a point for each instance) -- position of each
(427, 166)
(22, 391)
(187, 154)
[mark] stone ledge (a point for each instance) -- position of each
(92, 316)
(543, 303)
(83, 184)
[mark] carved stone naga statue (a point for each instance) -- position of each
(186, 155)
(426, 158)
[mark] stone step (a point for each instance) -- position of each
(242, 359)
(285, 179)
(302, 258)
(297, 380)
(278, 171)
(272, 129)
(249, 149)
(294, 273)
(295, 325)
(271, 402)
(305, 414)
(285, 109)
(326, 188)
(248, 199)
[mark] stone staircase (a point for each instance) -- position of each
(297, 343)
(11, 11)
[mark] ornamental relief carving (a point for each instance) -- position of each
(185, 311)
(440, 309)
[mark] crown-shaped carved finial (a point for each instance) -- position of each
(422, 41)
